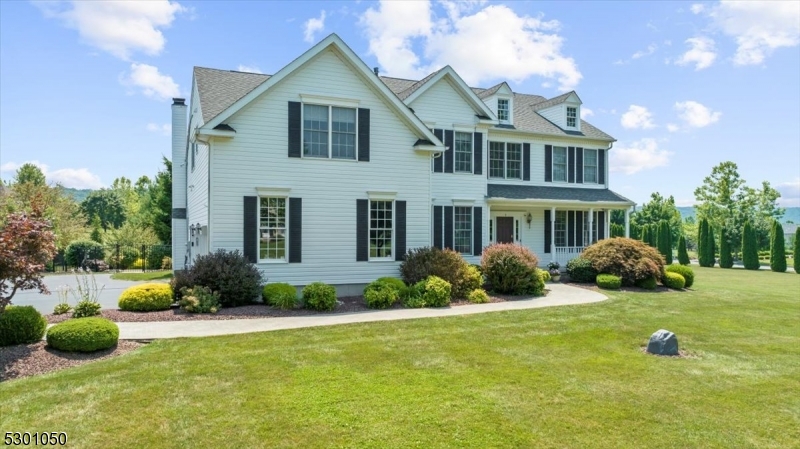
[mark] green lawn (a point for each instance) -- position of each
(144, 276)
(558, 377)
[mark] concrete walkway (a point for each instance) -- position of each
(559, 295)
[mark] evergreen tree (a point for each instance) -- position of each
(796, 252)
(653, 235)
(703, 245)
(777, 250)
(725, 256)
(712, 246)
(683, 256)
(646, 234)
(749, 248)
(665, 241)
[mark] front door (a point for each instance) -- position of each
(505, 229)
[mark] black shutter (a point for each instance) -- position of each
(362, 230)
(363, 135)
(478, 152)
(448, 227)
(601, 167)
(438, 163)
(571, 228)
(295, 129)
(526, 162)
(448, 154)
(250, 229)
(579, 174)
(437, 227)
(601, 225)
(548, 236)
(400, 230)
(579, 228)
(548, 167)
(571, 164)
(477, 231)
(295, 230)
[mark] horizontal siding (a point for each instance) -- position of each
(442, 105)
(197, 196)
(555, 114)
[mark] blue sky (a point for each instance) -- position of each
(85, 87)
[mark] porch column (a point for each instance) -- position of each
(489, 223)
(628, 223)
(591, 230)
(553, 233)
(608, 224)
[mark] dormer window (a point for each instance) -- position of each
(572, 117)
(502, 110)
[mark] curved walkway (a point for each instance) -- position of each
(559, 295)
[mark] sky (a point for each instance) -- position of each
(86, 87)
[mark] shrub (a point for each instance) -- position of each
(61, 308)
(21, 324)
(137, 264)
(86, 308)
(630, 259)
(228, 273)
(725, 256)
(280, 295)
(479, 296)
(78, 250)
(411, 296)
(146, 297)
(545, 275)
(166, 263)
(683, 270)
(420, 263)
(398, 284)
(647, 283)
(609, 281)
(83, 335)
(683, 255)
(319, 296)
(705, 255)
(156, 254)
(665, 241)
(435, 291)
(580, 269)
(199, 300)
(796, 251)
(510, 268)
(381, 294)
(674, 280)
(749, 248)
(537, 282)
(777, 259)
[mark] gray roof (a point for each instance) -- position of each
(483, 93)
(553, 101)
(413, 88)
(219, 89)
(522, 192)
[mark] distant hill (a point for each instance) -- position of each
(78, 194)
(792, 214)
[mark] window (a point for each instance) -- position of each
(505, 160)
(502, 109)
(572, 117)
(491, 230)
(463, 230)
(380, 229)
(590, 166)
(463, 152)
(514, 160)
(329, 132)
(586, 241)
(561, 228)
(560, 164)
(272, 229)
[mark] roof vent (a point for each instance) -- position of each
(376, 70)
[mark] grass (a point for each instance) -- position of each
(144, 276)
(558, 377)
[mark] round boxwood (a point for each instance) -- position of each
(674, 280)
(647, 283)
(683, 270)
(609, 281)
(280, 294)
(396, 283)
(479, 296)
(146, 297)
(580, 269)
(381, 295)
(319, 296)
(83, 335)
(21, 324)
(435, 291)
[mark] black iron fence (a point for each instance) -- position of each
(114, 257)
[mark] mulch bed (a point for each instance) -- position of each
(36, 358)
(594, 287)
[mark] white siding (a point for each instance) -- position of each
(441, 104)
(257, 157)
(555, 114)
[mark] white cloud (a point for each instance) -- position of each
(165, 129)
(695, 114)
(151, 82)
(121, 27)
(697, 8)
(649, 51)
(671, 127)
(480, 43)
(248, 68)
(76, 178)
(586, 112)
(641, 155)
(637, 117)
(312, 26)
(790, 193)
(759, 27)
(701, 53)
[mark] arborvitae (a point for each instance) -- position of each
(665, 241)
(712, 246)
(796, 251)
(703, 245)
(683, 255)
(725, 256)
(749, 248)
(654, 235)
(646, 234)
(777, 250)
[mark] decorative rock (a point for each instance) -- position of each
(663, 342)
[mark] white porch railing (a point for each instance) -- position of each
(564, 254)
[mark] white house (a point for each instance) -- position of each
(326, 171)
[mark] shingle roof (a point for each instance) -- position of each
(219, 89)
(483, 93)
(397, 85)
(413, 88)
(520, 192)
(552, 102)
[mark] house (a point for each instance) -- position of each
(326, 171)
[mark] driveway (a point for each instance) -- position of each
(45, 303)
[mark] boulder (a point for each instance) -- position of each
(663, 342)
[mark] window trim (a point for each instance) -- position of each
(330, 104)
(567, 116)
(596, 169)
(390, 257)
(506, 160)
(507, 110)
(285, 258)
(470, 228)
(471, 152)
(556, 230)
(553, 165)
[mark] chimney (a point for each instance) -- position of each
(179, 231)
(376, 70)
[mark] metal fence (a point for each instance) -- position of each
(114, 257)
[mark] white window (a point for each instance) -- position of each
(329, 132)
(463, 152)
(463, 230)
(514, 160)
(586, 241)
(561, 228)
(560, 164)
(505, 160)
(572, 117)
(380, 229)
(272, 229)
(502, 109)
(590, 166)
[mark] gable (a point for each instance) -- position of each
(441, 103)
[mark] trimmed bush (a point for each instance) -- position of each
(673, 280)
(683, 255)
(78, 250)
(199, 300)
(411, 296)
(510, 268)
(319, 296)
(86, 308)
(537, 283)
(545, 275)
(609, 281)
(725, 256)
(777, 258)
(749, 248)
(398, 284)
(468, 281)
(146, 297)
(280, 294)
(796, 251)
(479, 296)
(580, 269)
(228, 273)
(630, 259)
(435, 291)
(83, 335)
(665, 241)
(420, 263)
(381, 294)
(21, 324)
(647, 284)
(683, 270)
